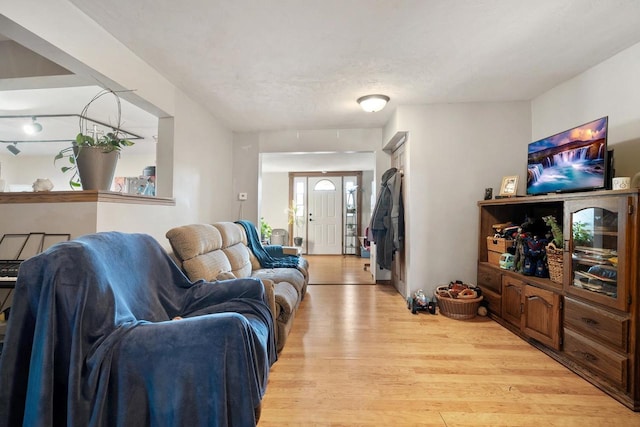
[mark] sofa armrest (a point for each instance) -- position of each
(271, 301)
(291, 250)
(279, 251)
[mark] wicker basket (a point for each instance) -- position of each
(459, 308)
(554, 262)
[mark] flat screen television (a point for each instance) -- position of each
(573, 160)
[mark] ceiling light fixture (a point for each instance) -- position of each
(13, 149)
(33, 127)
(373, 103)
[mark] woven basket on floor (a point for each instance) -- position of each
(459, 308)
(554, 262)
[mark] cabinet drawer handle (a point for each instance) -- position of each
(589, 321)
(588, 356)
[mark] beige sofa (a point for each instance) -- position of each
(219, 251)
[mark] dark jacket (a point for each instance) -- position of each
(387, 220)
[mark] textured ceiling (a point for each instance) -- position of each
(301, 64)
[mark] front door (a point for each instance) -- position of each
(324, 232)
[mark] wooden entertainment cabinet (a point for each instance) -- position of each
(589, 322)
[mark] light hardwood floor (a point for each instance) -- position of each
(338, 269)
(356, 356)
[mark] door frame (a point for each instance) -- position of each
(315, 174)
(397, 148)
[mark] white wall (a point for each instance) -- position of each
(202, 162)
(198, 152)
(246, 177)
(612, 89)
(136, 218)
(53, 218)
(81, 218)
(59, 31)
(26, 169)
(328, 140)
(248, 146)
(275, 199)
(367, 181)
(454, 152)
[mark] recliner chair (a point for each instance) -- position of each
(107, 330)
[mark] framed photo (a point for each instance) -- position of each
(509, 186)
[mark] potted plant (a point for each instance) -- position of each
(582, 234)
(93, 156)
(297, 221)
(265, 229)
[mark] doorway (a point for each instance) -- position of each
(399, 266)
(329, 206)
(324, 220)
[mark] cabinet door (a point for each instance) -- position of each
(512, 300)
(595, 260)
(541, 316)
(490, 278)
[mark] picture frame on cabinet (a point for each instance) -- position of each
(509, 186)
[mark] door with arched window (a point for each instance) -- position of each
(325, 215)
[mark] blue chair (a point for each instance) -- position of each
(106, 330)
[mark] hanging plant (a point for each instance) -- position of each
(107, 142)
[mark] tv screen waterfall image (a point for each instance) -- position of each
(572, 160)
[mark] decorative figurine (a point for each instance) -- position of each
(42, 184)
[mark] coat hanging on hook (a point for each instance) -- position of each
(387, 221)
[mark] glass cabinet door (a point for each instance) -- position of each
(596, 250)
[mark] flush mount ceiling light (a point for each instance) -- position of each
(33, 127)
(13, 149)
(373, 103)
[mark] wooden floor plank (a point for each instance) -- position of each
(356, 356)
(339, 269)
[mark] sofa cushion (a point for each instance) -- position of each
(231, 233)
(226, 276)
(207, 266)
(189, 241)
(287, 298)
(198, 245)
(255, 264)
(238, 256)
(290, 275)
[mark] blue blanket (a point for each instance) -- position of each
(264, 258)
(91, 340)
